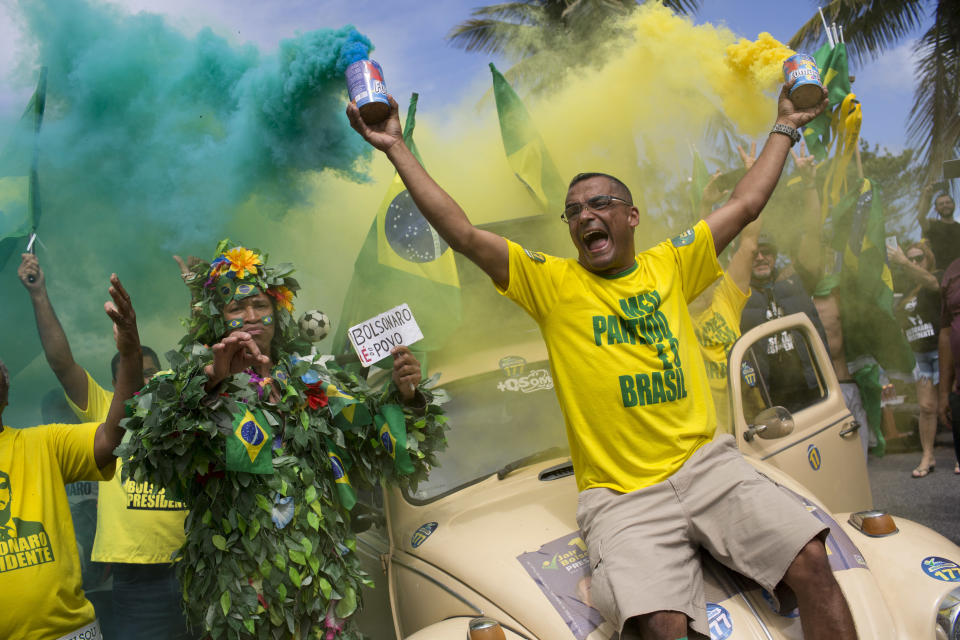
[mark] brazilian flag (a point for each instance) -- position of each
(525, 149)
(403, 260)
(870, 328)
(250, 443)
(347, 411)
(340, 462)
(19, 180)
(835, 76)
(392, 428)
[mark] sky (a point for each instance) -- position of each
(410, 41)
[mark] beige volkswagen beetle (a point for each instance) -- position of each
(492, 533)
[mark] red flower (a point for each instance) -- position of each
(316, 398)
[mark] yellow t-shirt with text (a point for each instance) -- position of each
(624, 356)
(718, 327)
(40, 573)
(135, 524)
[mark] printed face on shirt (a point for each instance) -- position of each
(944, 206)
(604, 239)
(251, 313)
(4, 497)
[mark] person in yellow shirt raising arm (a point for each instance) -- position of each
(39, 565)
(138, 526)
(654, 485)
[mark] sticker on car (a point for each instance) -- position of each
(422, 533)
(813, 457)
(941, 569)
(719, 621)
(749, 375)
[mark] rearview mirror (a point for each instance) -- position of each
(770, 424)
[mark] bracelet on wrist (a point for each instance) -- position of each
(788, 131)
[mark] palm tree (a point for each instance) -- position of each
(872, 26)
(545, 38)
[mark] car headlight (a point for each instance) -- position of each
(948, 616)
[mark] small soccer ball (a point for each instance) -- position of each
(314, 325)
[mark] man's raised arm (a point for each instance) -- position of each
(487, 250)
(56, 348)
(754, 189)
(129, 371)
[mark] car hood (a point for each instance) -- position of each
(514, 543)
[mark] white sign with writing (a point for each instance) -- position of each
(374, 338)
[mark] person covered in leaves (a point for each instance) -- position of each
(264, 447)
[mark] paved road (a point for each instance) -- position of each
(933, 501)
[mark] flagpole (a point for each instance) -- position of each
(34, 189)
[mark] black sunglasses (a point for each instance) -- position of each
(596, 203)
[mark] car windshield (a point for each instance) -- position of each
(495, 418)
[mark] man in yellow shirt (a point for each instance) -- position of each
(138, 527)
(39, 566)
(634, 393)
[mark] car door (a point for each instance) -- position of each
(783, 363)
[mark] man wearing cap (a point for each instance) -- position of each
(654, 484)
(40, 573)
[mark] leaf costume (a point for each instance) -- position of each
(269, 551)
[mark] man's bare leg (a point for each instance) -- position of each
(824, 613)
(661, 625)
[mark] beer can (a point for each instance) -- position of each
(366, 87)
(807, 91)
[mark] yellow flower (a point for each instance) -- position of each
(283, 296)
(243, 260)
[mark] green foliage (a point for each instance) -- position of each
(900, 180)
(245, 573)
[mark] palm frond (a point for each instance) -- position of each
(934, 121)
(495, 37)
(869, 26)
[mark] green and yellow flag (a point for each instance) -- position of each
(250, 444)
(403, 260)
(526, 152)
(835, 76)
(339, 463)
(393, 436)
(866, 296)
(19, 180)
(347, 411)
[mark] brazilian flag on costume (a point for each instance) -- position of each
(526, 152)
(835, 76)
(393, 436)
(250, 444)
(403, 260)
(347, 411)
(340, 462)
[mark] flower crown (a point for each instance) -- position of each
(238, 273)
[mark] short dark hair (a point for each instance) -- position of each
(580, 177)
(147, 351)
(943, 194)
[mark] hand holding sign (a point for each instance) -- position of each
(406, 372)
(389, 334)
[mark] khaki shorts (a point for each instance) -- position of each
(644, 545)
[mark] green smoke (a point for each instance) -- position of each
(156, 143)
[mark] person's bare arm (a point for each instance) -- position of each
(487, 250)
(741, 264)
(923, 208)
(56, 347)
(129, 371)
(754, 189)
(914, 271)
(945, 358)
(810, 253)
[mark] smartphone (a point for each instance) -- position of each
(892, 242)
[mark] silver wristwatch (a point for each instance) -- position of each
(788, 131)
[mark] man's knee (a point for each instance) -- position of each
(659, 625)
(810, 565)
